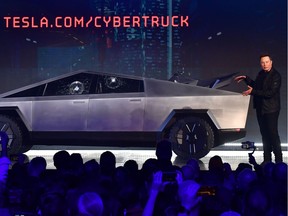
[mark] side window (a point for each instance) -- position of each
(113, 84)
(77, 84)
(31, 92)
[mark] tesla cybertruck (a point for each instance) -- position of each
(91, 108)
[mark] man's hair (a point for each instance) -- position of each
(265, 55)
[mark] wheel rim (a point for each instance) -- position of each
(192, 137)
(5, 127)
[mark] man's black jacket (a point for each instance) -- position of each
(266, 91)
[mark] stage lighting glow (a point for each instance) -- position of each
(256, 144)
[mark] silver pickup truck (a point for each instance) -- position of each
(91, 108)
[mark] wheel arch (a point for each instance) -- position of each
(177, 114)
(15, 113)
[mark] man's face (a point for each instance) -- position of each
(266, 63)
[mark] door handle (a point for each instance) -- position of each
(135, 100)
(79, 102)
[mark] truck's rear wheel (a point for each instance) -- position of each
(15, 134)
(191, 137)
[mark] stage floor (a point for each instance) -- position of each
(230, 154)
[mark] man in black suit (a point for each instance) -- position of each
(266, 100)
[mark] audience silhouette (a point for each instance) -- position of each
(75, 188)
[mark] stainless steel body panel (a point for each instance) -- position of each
(224, 117)
(67, 114)
(121, 112)
(228, 110)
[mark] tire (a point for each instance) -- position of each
(191, 137)
(14, 132)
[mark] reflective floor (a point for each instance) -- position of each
(232, 155)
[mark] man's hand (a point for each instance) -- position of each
(239, 78)
(3, 142)
(157, 183)
(179, 177)
(248, 91)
